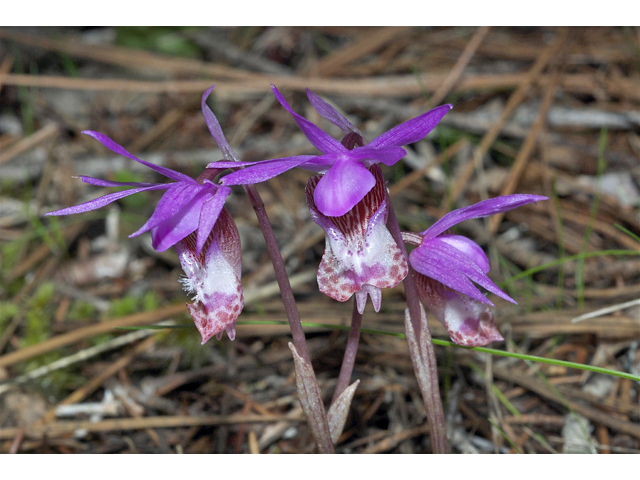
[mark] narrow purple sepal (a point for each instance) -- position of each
(105, 200)
(412, 130)
(114, 147)
(215, 128)
(387, 155)
(318, 138)
(107, 183)
(209, 214)
(481, 209)
(261, 171)
(330, 113)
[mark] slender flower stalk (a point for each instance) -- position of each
(349, 359)
(297, 333)
(423, 355)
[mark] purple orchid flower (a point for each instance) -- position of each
(447, 266)
(346, 178)
(360, 255)
(191, 217)
(187, 205)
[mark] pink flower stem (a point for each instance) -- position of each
(299, 339)
(307, 386)
(431, 394)
(349, 353)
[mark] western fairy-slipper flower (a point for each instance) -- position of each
(448, 265)
(360, 255)
(191, 217)
(347, 178)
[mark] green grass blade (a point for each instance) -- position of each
(443, 343)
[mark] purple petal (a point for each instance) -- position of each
(470, 248)
(342, 187)
(387, 155)
(179, 226)
(446, 264)
(261, 171)
(320, 139)
(412, 130)
(107, 183)
(113, 146)
(223, 165)
(106, 200)
(209, 215)
(320, 163)
(330, 113)
(214, 127)
(479, 210)
(172, 204)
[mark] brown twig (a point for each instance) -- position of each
(138, 319)
(462, 62)
(370, 41)
(414, 176)
(95, 383)
(5, 67)
(57, 429)
(27, 143)
(514, 100)
(526, 150)
(379, 87)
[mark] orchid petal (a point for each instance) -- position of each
(106, 200)
(375, 293)
(448, 265)
(320, 163)
(209, 215)
(113, 146)
(172, 202)
(342, 187)
(412, 130)
(387, 155)
(481, 209)
(222, 165)
(470, 248)
(261, 171)
(215, 128)
(469, 322)
(179, 226)
(320, 139)
(176, 216)
(330, 113)
(107, 183)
